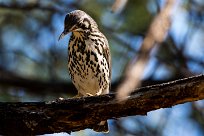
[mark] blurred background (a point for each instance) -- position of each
(33, 64)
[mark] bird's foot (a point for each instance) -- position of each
(76, 96)
(79, 95)
(88, 94)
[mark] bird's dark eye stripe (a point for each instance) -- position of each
(86, 20)
(86, 24)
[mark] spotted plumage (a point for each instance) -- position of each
(89, 61)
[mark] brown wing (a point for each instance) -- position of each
(107, 54)
(105, 51)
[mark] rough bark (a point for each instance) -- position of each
(69, 115)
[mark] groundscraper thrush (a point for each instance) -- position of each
(89, 59)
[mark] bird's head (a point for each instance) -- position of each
(77, 21)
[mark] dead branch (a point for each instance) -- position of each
(156, 34)
(69, 115)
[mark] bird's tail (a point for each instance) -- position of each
(102, 127)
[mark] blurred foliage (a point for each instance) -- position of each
(136, 17)
(29, 48)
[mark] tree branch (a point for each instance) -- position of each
(156, 34)
(69, 115)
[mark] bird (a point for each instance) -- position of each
(89, 58)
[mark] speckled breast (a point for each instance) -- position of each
(87, 66)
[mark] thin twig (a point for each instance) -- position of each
(156, 34)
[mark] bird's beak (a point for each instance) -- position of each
(62, 35)
(65, 32)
